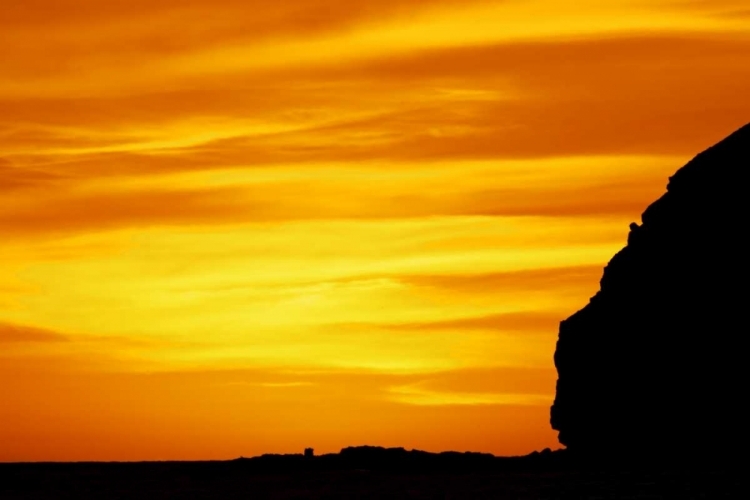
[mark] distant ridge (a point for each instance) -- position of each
(354, 458)
(654, 366)
(376, 458)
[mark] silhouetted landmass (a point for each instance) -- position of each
(361, 473)
(653, 368)
(374, 458)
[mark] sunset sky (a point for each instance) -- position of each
(233, 227)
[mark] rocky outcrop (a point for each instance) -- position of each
(655, 364)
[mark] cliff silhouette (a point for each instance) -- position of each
(654, 366)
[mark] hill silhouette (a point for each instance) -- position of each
(400, 460)
(653, 367)
(366, 472)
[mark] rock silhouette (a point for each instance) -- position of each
(654, 366)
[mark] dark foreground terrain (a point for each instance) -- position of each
(652, 365)
(369, 473)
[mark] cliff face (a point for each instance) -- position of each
(655, 363)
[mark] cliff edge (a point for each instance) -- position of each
(654, 365)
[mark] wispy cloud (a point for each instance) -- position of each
(528, 322)
(415, 395)
(11, 333)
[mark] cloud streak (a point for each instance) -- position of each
(12, 334)
(45, 204)
(527, 322)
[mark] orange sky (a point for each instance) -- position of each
(231, 227)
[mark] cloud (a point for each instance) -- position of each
(324, 193)
(264, 17)
(134, 51)
(642, 95)
(393, 123)
(14, 178)
(564, 97)
(511, 380)
(57, 212)
(87, 46)
(12, 333)
(529, 322)
(489, 386)
(556, 278)
(415, 395)
(523, 380)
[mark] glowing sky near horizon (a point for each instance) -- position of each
(235, 227)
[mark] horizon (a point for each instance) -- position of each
(297, 454)
(232, 231)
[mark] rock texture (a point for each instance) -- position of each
(655, 364)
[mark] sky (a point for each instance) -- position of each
(235, 227)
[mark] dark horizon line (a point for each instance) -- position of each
(343, 452)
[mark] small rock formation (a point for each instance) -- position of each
(654, 366)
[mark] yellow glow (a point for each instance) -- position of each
(417, 396)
